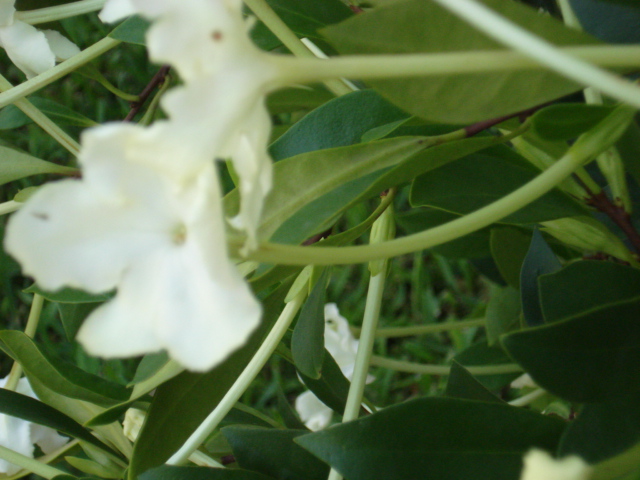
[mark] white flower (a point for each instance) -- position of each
(343, 347)
(133, 420)
(524, 381)
(31, 50)
(539, 465)
(115, 10)
(140, 223)
(20, 435)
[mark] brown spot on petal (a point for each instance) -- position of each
(216, 35)
(41, 216)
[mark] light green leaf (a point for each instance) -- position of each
(131, 30)
(12, 117)
(15, 165)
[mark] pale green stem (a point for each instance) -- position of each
(242, 383)
(528, 398)
(204, 460)
(512, 35)
(395, 332)
(421, 369)
(29, 464)
(128, 97)
(304, 70)
(384, 228)
(44, 122)
(52, 14)
(577, 155)
(289, 39)
(9, 207)
(148, 116)
(36, 83)
(29, 331)
(609, 161)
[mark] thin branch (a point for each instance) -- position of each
(157, 80)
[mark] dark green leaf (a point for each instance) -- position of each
(170, 472)
(131, 30)
(149, 365)
(509, 246)
(294, 99)
(593, 357)
(61, 377)
(273, 452)
(567, 121)
(482, 354)
(15, 165)
(503, 313)
(461, 384)
(332, 387)
(417, 26)
(31, 410)
(307, 342)
(182, 403)
(70, 295)
(435, 438)
(12, 117)
(614, 21)
(585, 285)
(72, 316)
(540, 260)
(288, 414)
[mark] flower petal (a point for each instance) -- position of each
(539, 465)
(7, 10)
(27, 48)
(313, 413)
(61, 46)
(115, 10)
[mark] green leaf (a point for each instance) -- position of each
(332, 387)
(307, 341)
(475, 181)
(61, 377)
(435, 438)
(149, 366)
(614, 21)
(603, 430)
(170, 472)
(15, 165)
(94, 468)
(586, 285)
(132, 30)
(272, 452)
(593, 357)
(294, 99)
(625, 466)
(417, 26)
(567, 121)
(70, 295)
(182, 403)
(72, 316)
(540, 260)
(287, 413)
(482, 354)
(461, 384)
(509, 246)
(34, 411)
(12, 117)
(338, 123)
(503, 313)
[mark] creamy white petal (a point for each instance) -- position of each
(313, 413)
(61, 46)
(27, 48)
(539, 465)
(115, 10)
(7, 10)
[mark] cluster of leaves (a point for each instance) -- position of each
(566, 315)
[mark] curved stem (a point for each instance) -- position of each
(304, 70)
(9, 207)
(44, 122)
(242, 383)
(30, 464)
(395, 332)
(528, 398)
(36, 83)
(59, 12)
(421, 369)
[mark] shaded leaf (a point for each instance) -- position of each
(509, 246)
(70, 295)
(12, 117)
(15, 165)
(72, 316)
(332, 387)
(503, 313)
(480, 354)
(170, 472)
(461, 384)
(567, 121)
(132, 30)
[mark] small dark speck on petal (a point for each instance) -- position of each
(216, 35)
(41, 216)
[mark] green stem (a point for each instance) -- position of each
(52, 14)
(305, 70)
(59, 71)
(242, 383)
(528, 398)
(583, 150)
(425, 329)
(289, 39)
(29, 464)
(116, 91)
(29, 331)
(512, 35)
(9, 207)
(44, 122)
(147, 118)
(421, 369)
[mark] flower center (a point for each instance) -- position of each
(179, 234)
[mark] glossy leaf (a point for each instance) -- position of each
(15, 165)
(540, 260)
(273, 452)
(307, 341)
(461, 384)
(593, 357)
(435, 438)
(34, 411)
(61, 377)
(399, 27)
(583, 286)
(567, 121)
(182, 403)
(132, 30)
(171, 472)
(12, 117)
(509, 246)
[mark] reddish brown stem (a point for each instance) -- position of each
(157, 80)
(617, 214)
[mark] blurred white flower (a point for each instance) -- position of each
(31, 50)
(134, 224)
(133, 420)
(115, 10)
(524, 381)
(343, 347)
(539, 465)
(21, 436)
